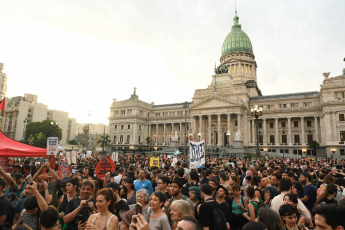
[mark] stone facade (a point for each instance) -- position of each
(221, 114)
(3, 82)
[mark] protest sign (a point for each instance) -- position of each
(63, 169)
(196, 154)
(154, 161)
(105, 165)
(115, 156)
(52, 145)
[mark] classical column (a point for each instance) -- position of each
(209, 119)
(228, 127)
(219, 130)
(164, 134)
(335, 136)
(149, 134)
(302, 127)
(316, 129)
(253, 131)
(156, 141)
(200, 127)
(277, 132)
(265, 132)
(289, 138)
(181, 133)
(239, 125)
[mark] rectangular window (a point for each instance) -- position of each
(115, 126)
(284, 139)
(235, 123)
(123, 112)
(341, 117)
(308, 123)
(305, 104)
(342, 135)
(128, 138)
(139, 140)
(140, 127)
(268, 107)
(294, 151)
(296, 139)
(260, 125)
(342, 152)
(158, 114)
(121, 126)
(261, 139)
(295, 124)
(129, 127)
(310, 138)
(272, 139)
(292, 105)
(283, 124)
(271, 125)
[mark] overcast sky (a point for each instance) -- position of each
(77, 55)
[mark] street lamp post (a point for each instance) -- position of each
(25, 120)
(303, 151)
(228, 138)
(199, 135)
(54, 124)
(256, 112)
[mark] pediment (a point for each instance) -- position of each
(216, 102)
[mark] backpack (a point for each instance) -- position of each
(218, 217)
(14, 200)
(260, 204)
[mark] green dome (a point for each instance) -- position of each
(237, 40)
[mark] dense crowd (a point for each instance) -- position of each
(224, 193)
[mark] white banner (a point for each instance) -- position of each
(52, 145)
(115, 156)
(196, 154)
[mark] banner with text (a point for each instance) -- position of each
(196, 154)
(52, 145)
(154, 161)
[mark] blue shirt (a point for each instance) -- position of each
(146, 184)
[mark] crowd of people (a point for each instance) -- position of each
(224, 193)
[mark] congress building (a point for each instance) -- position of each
(221, 114)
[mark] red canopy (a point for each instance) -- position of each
(12, 148)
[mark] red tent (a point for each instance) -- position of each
(12, 148)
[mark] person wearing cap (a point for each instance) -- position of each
(175, 192)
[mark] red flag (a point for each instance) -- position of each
(2, 108)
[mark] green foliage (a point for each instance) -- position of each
(39, 131)
(73, 142)
(313, 145)
(148, 140)
(104, 141)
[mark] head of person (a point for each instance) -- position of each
(72, 185)
(180, 172)
(115, 187)
(105, 200)
(2, 184)
(207, 190)
(222, 192)
(304, 178)
(31, 205)
(275, 179)
(49, 217)
(291, 199)
(254, 226)
(264, 172)
(86, 189)
(285, 185)
(328, 179)
(163, 182)
(194, 175)
(236, 189)
(250, 192)
(142, 174)
(179, 209)
(270, 218)
(128, 184)
(214, 183)
(288, 214)
(157, 200)
(297, 187)
(18, 178)
(194, 193)
(188, 223)
(176, 187)
(142, 196)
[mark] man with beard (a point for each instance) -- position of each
(309, 191)
(162, 185)
(142, 182)
(175, 192)
(82, 205)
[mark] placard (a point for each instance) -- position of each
(52, 145)
(103, 166)
(63, 169)
(196, 154)
(154, 161)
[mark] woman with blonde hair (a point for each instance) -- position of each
(179, 209)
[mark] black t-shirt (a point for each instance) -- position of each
(5, 209)
(85, 211)
(206, 214)
(121, 205)
(225, 207)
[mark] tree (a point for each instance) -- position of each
(148, 140)
(104, 141)
(73, 142)
(39, 131)
(313, 145)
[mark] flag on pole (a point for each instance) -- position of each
(2, 108)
